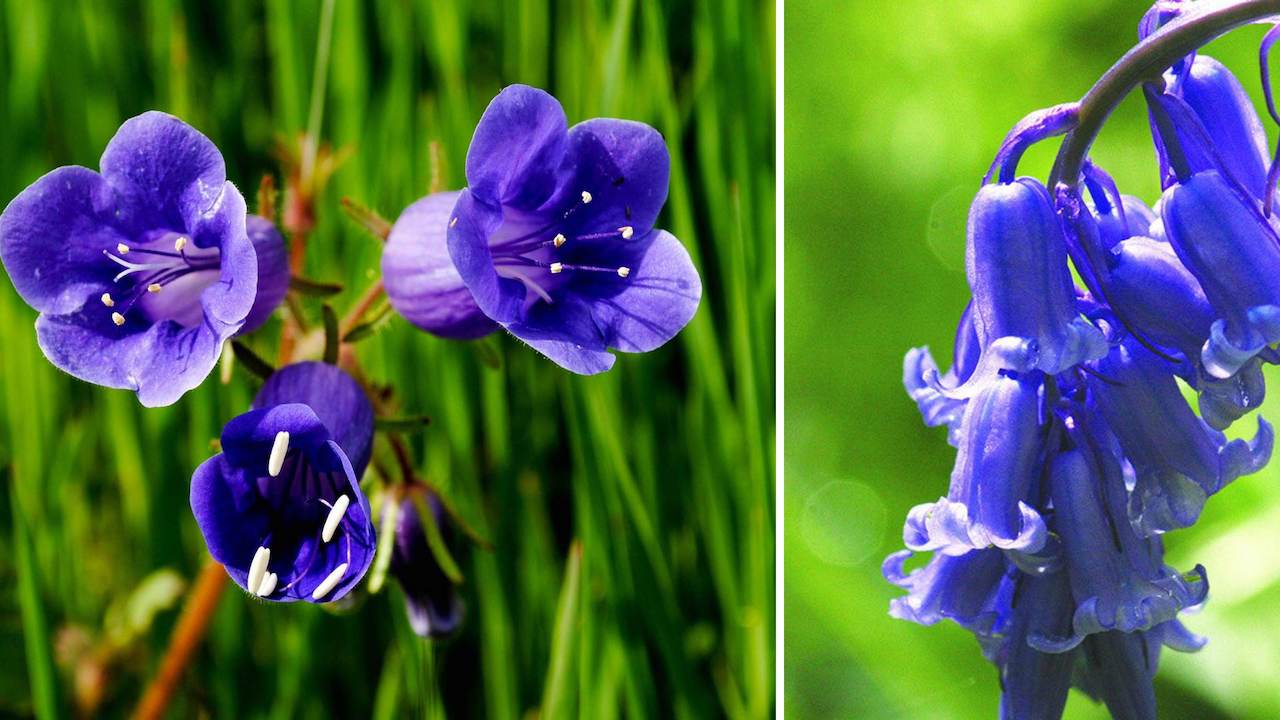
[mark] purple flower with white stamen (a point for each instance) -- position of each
(139, 273)
(431, 598)
(554, 235)
(281, 507)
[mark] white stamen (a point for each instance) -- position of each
(258, 568)
(117, 318)
(122, 248)
(154, 287)
(586, 197)
(557, 268)
(268, 585)
(627, 231)
(106, 300)
(278, 450)
(624, 271)
(335, 516)
(559, 239)
(133, 267)
(330, 582)
(453, 222)
(180, 243)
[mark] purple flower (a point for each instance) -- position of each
(1016, 261)
(421, 281)
(1219, 233)
(1002, 440)
(430, 596)
(281, 505)
(555, 235)
(141, 272)
(1178, 460)
(921, 380)
(1118, 579)
(1034, 683)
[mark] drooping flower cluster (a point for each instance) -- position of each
(1076, 448)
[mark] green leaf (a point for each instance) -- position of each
(251, 360)
(313, 288)
(386, 543)
(401, 424)
(435, 540)
(331, 340)
(369, 220)
(369, 328)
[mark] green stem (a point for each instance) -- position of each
(1146, 61)
(319, 81)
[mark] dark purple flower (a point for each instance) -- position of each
(1118, 579)
(1016, 262)
(1219, 233)
(1178, 460)
(421, 281)
(141, 272)
(1034, 684)
(555, 236)
(430, 596)
(281, 507)
(1002, 441)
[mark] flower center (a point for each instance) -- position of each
(531, 252)
(295, 491)
(162, 277)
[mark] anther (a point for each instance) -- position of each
(258, 568)
(559, 239)
(557, 268)
(268, 585)
(154, 287)
(335, 516)
(586, 197)
(278, 450)
(453, 222)
(330, 582)
(624, 271)
(122, 248)
(117, 318)
(180, 243)
(106, 300)
(627, 231)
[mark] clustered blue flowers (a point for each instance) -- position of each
(1076, 447)
(143, 271)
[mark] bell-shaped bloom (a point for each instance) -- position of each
(141, 272)
(973, 590)
(1230, 118)
(431, 598)
(1118, 216)
(1220, 235)
(996, 468)
(421, 281)
(1016, 262)
(1178, 460)
(921, 380)
(1034, 683)
(273, 271)
(554, 235)
(1119, 670)
(281, 507)
(1118, 579)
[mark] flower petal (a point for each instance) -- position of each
(502, 299)
(52, 236)
(624, 165)
(273, 271)
(165, 172)
(517, 147)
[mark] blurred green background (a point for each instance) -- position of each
(662, 469)
(892, 114)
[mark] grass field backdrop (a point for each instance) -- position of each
(661, 470)
(889, 128)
